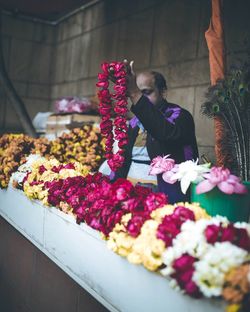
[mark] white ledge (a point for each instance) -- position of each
(84, 256)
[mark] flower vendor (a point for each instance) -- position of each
(158, 126)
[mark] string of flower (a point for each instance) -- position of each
(113, 104)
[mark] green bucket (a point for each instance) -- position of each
(235, 207)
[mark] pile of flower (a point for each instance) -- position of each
(91, 197)
(72, 104)
(13, 150)
(102, 204)
(200, 255)
(156, 234)
(203, 253)
(39, 172)
(84, 145)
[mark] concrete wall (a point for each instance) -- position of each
(164, 35)
(28, 52)
(31, 282)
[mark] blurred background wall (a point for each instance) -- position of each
(47, 61)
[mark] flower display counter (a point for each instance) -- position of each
(84, 256)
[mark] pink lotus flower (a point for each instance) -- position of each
(161, 164)
(168, 176)
(220, 177)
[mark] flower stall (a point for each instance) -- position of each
(182, 245)
(109, 235)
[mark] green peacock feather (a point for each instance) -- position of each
(229, 100)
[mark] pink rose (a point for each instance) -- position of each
(104, 110)
(103, 84)
(42, 169)
(122, 189)
(121, 81)
(155, 200)
(142, 191)
(167, 231)
(135, 224)
(120, 110)
(102, 76)
(105, 68)
(183, 214)
(131, 204)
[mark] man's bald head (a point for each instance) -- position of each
(152, 84)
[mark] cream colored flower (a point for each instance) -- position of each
(147, 249)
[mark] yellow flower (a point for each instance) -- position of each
(233, 308)
(43, 194)
(160, 213)
(147, 248)
(38, 191)
(119, 240)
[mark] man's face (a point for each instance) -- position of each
(146, 83)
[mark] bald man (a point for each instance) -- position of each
(166, 128)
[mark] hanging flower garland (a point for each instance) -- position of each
(113, 104)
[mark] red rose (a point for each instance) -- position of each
(184, 262)
(243, 239)
(228, 234)
(212, 233)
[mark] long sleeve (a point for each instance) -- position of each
(162, 128)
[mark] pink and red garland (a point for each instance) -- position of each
(113, 104)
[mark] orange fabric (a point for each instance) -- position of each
(215, 42)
